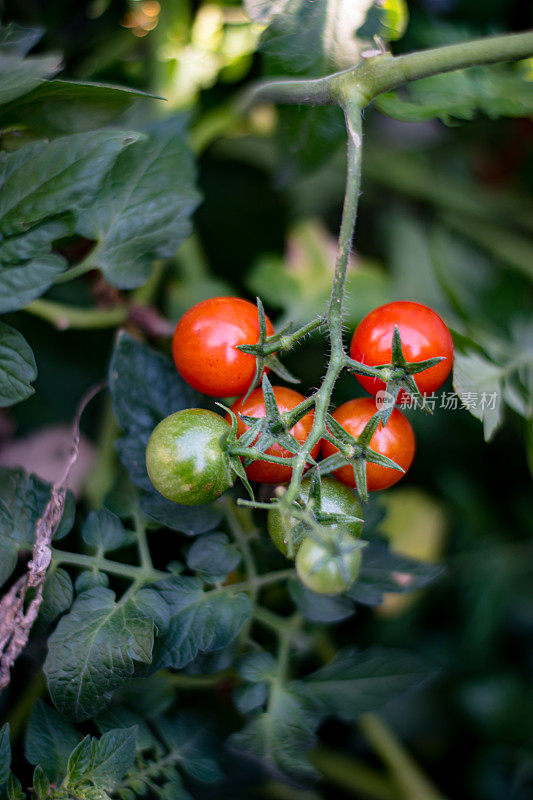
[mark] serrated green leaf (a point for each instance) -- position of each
(17, 367)
(80, 760)
(50, 739)
(190, 744)
(19, 75)
(356, 682)
(93, 651)
(280, 737)
(145, 388)
(57, 595)
(58, 107)
(14, 788)
(5, 753)
(250, 697)
(213, 556)
(23, 499)
(42, 185)
(497, 90)
(41, 784)
(114, 757)
(478, 382)
(256, 667)
(383, 571)
(118, 716)
(200, 622)
(88, 579)
(144, 209)
(103, 530)
(190, 520)
(318, 607)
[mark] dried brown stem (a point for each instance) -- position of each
(16, 621)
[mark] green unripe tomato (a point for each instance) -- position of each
(185, 459)
(336, 499)
(326, 572)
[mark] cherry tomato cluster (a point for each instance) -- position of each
(187, 455)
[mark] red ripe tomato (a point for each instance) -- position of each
(287, 399)
(396, 441)
(424, 335)
(205, 345)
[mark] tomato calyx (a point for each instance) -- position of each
(330, 564)
(355, 451)
(397, 375)
(264, 353)
(305, 518)
(263, 432)
(261, 435)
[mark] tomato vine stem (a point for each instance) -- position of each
(382, 73)
(352, 112)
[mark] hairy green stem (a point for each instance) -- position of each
(257, 582)
(382, 73)
(334, 314)
(129, 571)
(142, 544)
(67, 316)
(287, 341)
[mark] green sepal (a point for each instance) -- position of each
(263, 359)
(237, 467)
(361, 453)
(273, 363)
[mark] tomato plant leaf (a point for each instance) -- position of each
(250, 697)
(477, 380)
(93, 651)
(145, 388)
(497, 91)
(190, 520)
(113, 757)
(57, 596)
(17, 367)
(49, 741)
(356, 682)
(18, 75)
(23, 499)
(118, 716)
(5, 753)
(57, 107)
(42, 184)
(143, 212)
(213, 556)
(200, 621)
(103, 530)
(190, 741)
(280, 737)
(319, 607)
(385, 571)
(41, 784)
